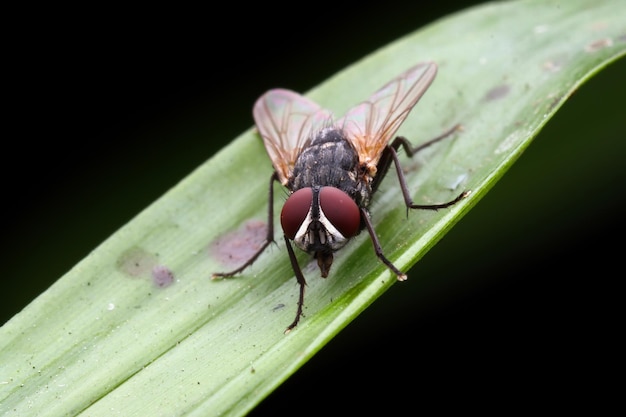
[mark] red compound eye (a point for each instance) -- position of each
(341, 210)
(295, 211)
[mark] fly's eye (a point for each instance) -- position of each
(340, 210)
(295, 211)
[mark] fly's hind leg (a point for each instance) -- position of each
(390, 154)
(410, 150)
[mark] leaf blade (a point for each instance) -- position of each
(111, 296)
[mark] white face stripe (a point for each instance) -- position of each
(330, 228)
(332, 235)
(300, 235)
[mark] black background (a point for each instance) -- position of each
(110, 109)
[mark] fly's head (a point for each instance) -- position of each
(320, 221)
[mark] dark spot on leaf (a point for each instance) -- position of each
(278, 307)
(162, 276)
(498, 92)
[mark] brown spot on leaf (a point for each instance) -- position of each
(235, 248)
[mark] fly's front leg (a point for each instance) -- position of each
(268, 239)
(410, 150)
(378, 249)
(301, 283)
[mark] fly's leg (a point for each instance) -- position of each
(390, 154)
(410, 150)
(377, 248)
(301, 282)
(268, 239)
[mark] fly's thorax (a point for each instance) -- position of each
(320, 219)
(331, 160)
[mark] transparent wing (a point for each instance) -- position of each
(286, 120)
(373, 123)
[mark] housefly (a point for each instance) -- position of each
(332, 169)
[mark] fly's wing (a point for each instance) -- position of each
(286, 121)
(373, 123)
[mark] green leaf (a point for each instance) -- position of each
(106, 340)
